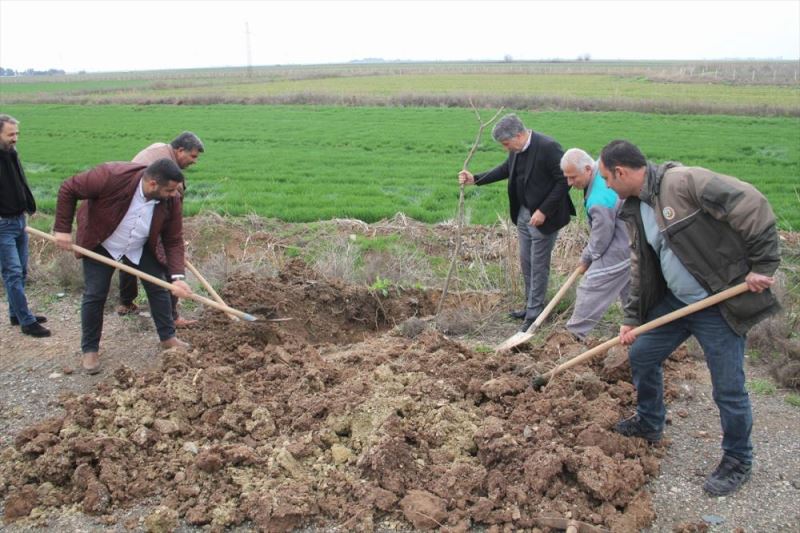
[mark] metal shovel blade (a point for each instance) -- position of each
(521, 337)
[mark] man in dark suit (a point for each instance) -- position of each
(538, 195)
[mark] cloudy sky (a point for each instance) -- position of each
(113, 35)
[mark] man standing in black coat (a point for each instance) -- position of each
(539, 200)
(15, 200)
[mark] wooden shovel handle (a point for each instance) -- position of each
(207, 286)
(142, 275)
(557, 298)
(660, 321)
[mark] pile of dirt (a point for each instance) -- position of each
(332, 419)
(316, 309)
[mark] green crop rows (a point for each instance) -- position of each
(303, 163)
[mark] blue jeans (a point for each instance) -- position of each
(724, 353)
(535, 250)
(14, 264)
(97, 280)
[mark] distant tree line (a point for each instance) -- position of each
(29, 72)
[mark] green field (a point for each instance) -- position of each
(304, 163)
(735, 87)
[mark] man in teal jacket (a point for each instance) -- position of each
(605, 259)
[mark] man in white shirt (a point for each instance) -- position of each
(130, 209)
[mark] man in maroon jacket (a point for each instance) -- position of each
(130, 207)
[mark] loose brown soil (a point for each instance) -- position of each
(337, 418)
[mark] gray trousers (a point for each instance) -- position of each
(596, 292)
(535, 249)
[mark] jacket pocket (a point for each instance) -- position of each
(748, 308)
(710, 250)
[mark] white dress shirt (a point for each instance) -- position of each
(132, 233)
(528, 142)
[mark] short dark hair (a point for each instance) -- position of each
(164, 171)
(620, 153)
(188, 141)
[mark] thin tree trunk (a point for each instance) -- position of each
(460, 215)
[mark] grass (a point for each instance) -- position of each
(793, 399)
(703, 87)
(761, 387)
(379, 243)
(307, 163)
(381, 286)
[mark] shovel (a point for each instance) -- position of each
(522, 337)
(207, 286)
(144, 276)
(539, 381)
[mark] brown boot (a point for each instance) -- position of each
(174, 342)
(127, 309)
(91, 363)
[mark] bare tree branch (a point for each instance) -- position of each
(460, 215)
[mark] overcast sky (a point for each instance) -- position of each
(116, 35)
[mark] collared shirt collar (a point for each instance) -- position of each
(528, 142)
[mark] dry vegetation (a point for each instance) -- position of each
(743, 72)
(256, 86)
(364, 255)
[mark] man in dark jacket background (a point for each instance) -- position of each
(539, 203)
(15, 200)
(184, 150)
(693, 233)
(130, 208)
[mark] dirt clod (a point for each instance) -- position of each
(20, 503)
(423, 509)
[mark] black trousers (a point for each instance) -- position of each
(129, 290)
(97, 281)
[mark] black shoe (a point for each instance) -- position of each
(576, 338)
(526, 325)
(15, 321)
(634, 427)
(517, 315)
(727, 477)
(36, 330)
